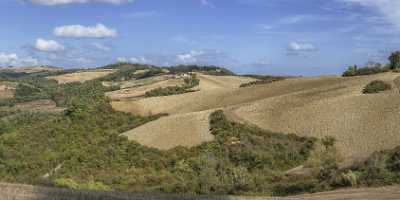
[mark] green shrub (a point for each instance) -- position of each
(191, 82)
(376, 86)
(355, 71)
(262, 80)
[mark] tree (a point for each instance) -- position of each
(395, 60)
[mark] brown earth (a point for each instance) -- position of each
(27, 192)
(360, 123)
(187, 130)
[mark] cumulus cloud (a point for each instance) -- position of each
(64, 2)
(297, 46)
(389, 9)
(13, 60)
(189, 57)
(48, 45)
(201, 57)
(79, 31)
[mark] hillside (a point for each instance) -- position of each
(315, 106)
(142, 128)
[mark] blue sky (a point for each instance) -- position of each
(307, 37)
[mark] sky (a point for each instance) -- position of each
(280, 37)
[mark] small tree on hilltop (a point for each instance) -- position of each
(395, 60)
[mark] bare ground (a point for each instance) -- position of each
(188, 130)
(360, 123)
(27, 192)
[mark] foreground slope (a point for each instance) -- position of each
(27, 192)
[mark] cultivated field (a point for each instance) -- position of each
(361, 123)
(307, 106)
(27, 192)
(188, 130)
(81, 76)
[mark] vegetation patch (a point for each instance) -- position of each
(190, 83)
(355, 71)
(376, 86)
(209, 70)
(262, 80)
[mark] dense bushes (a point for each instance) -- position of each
(355, 71)
(262, 80)
(376, 86)
(210, 70)
(191, 82)
(86, 143)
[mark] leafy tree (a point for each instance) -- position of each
(395, 60)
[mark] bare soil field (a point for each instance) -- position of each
(141, 90)
(307, 106)
(81, 76)
(188, 130)
(27, 192)
(137, 82)
(360, 123)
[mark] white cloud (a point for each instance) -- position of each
(296, 46)
(122, 59)
(389, 9)
(64, 2)
(48, 45)
(79, 31)
(189, 57)
(13, 60)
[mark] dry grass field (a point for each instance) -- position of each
(307, 106)
(27, 192)
(171, 131)
(360, 123)
(81, 76)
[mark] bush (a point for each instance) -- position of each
(376, 86)
(174, 90)
(355, 71)
(262, 80)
